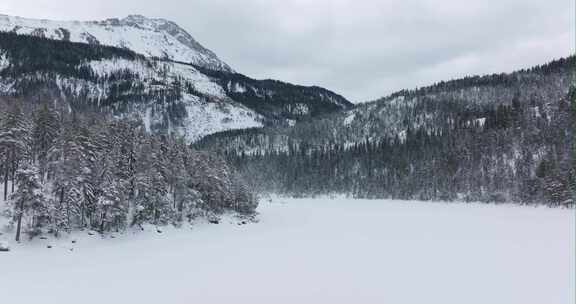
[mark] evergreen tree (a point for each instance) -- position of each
(15, 143)
(77, 170)
(28, 200)
(46, 128)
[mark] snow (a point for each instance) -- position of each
(202, 83)
(314, 251)
(203, 117)
(480, 122)
(298, 109)
(4, 62)
(536, 111)
(402, 136)
(150, 37)
(349, 119)
(107, 67)
(209, 118)
(236, 87)
(147, 119)
(174, 71)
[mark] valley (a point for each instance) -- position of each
(137, 166)
(334, 250)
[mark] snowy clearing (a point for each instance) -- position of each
(314, 251)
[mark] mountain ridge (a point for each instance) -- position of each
(177, 96)
(494, 138)
(153, 37)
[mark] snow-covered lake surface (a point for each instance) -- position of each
(314, 251)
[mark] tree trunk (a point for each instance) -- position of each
(82, 214)
(174, 197)
(19, 225)
(14, 164)
(67, 207)
(103, 219)
(6, 182)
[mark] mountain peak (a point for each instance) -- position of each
(169, 27)
(136, 17)
(139, 21)
(154, 37)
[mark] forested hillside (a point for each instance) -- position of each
(504, 137)
(64, 170)
(171, 97)
(277, 99)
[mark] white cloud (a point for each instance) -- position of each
(359, 48)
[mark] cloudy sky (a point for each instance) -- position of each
(362, 49)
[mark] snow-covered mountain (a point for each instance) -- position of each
(151, 37)
(149, 68)
(501, 137)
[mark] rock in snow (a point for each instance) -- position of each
(4, 246)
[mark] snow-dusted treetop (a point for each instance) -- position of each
(147, 36)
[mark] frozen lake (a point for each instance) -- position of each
(314, 251)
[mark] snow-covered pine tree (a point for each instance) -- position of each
(572, 98)
(184, 196)
(45, 131)
(153, 205)
(82, 170)
(245, 201)
(111, 205)
(70, 175)
(28, 201)
(15, 142)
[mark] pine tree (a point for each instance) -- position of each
(572, 98)
(15, 142)
(28, 200)
(45, 131)
(80, 170)
(111, 207)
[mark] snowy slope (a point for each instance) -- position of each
(213, 113)
(314, 251)
(175, 86)
(158, 72)
(202, 118)
(150, 37)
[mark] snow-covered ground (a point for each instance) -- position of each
(314, 251)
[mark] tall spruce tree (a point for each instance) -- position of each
(28, 200)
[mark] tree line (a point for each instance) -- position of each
(500, 138)
(65, 170)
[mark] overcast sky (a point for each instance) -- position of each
(362, 49)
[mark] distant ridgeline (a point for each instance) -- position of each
(170, 96)
(277, 99)
(504, 137)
